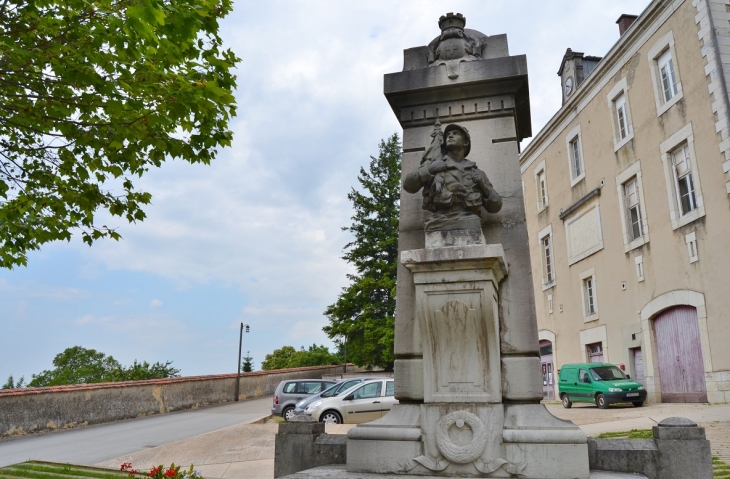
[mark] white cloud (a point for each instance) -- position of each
(155, 303)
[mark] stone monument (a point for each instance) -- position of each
(467, 369)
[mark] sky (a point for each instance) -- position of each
(256, 237)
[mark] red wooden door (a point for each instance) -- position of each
(681, 369)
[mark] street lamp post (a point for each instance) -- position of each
(240, 342)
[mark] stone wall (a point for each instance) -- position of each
(31, 410)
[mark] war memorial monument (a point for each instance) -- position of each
(467, 368)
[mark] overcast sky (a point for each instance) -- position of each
(256, 236)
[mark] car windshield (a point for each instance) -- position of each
(330, 391)
(606, 373)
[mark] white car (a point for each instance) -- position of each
(365, 402)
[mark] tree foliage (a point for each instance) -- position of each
(288, 357)
(11, 384)
(78, 365)
(94, 93)
(247, 363)
(364, 313)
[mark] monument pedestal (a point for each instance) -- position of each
(462, 428)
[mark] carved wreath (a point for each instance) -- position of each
(467, 453)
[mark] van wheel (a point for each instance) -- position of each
(567, 403)
(288, 413)
(601, 401)
(638, 403)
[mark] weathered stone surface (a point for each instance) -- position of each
(301, 450)
(521, 378)
(301, 427)
(624, 455)
(456, 291)
(340, 472)
(410, 379)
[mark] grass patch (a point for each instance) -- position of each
(720, 470)
(633, 434)
(50, 470)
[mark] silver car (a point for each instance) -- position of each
(289, 392)
(341, 386)
(362, 403)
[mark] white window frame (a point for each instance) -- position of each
(585, 209)
(622, 179)
(547, 233)
(669, 146)
(691, 240)
(662, 49)
(589, 277)
(541, 186)
(639, 263)
(575, 135)
(614, 98)
(550, 303)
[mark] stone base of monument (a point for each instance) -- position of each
(459, 424)
(469, 440)
(340, 472)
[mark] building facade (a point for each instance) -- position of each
(627, 207)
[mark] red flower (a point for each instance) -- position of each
(154, 471)
(126, 466)
(170, 472)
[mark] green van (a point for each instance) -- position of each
(602, 383)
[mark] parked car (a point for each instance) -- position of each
(334, 390)
(290, 391)
(361, 403)
(602, 383)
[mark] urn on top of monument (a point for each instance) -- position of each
(454, 189)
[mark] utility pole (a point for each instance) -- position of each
(238, 376)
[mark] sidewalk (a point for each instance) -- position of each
(246, 451)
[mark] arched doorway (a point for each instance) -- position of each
(548, 375)
(679, 355)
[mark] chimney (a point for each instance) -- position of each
(625, 21)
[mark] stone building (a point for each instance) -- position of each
(627, 208)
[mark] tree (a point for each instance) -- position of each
(288, 357)
(10, 384)
(364, 313)
(247, 364)
(94, 93)
(78, 365)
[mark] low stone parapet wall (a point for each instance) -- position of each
(32, 410)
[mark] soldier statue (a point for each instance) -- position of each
(454, 189)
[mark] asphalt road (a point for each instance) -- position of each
(93, 444)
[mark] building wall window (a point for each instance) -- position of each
(548, 257)
(575, 155)
(684, 191)
(631, 201)
(665, 73)
(618, 102)
(683, 182)
(639, 262)
(691, 240)
(589, 294)
(541, 184)
(633, 209)
(550, 303)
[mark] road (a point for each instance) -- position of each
(94, 444)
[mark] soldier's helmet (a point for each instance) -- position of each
(463, 131)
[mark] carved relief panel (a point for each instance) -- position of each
(459, 328)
